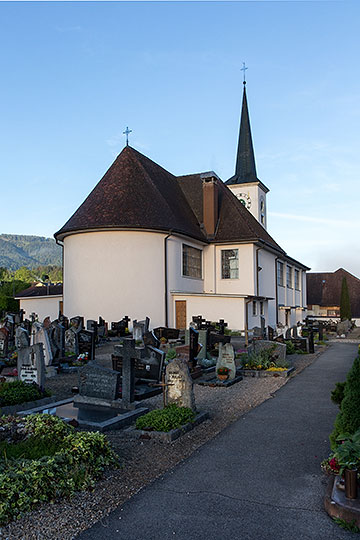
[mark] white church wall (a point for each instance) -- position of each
(213, 308)
(114, 273)
(176, 280)
(245, 282)
(43, 306)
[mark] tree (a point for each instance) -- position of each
(345, 307)
(24, 274)
(348, 419)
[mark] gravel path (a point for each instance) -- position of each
(142, 461)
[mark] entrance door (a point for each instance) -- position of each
(180, 314)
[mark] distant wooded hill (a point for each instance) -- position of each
(18, 250)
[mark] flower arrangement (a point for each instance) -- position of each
(330, 465)
(223, 370)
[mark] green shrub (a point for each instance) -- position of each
(170, 355)
(13, 393)
(290, 347)
(337, 395)
(171, 417)
(29, 478)
(348, 419)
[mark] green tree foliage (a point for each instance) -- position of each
(348, 419)
(23, 274)
(345, 307)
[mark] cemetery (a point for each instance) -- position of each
(137, 384)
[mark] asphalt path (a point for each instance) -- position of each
(259, 479)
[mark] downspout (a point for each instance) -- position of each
(59, 243)
(276, 292)
(166, 279)
(257, 270)
(247, 322)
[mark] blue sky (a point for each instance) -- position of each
(75, 74)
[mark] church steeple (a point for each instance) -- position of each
(245, 170)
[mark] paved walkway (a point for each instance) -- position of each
(259, 479)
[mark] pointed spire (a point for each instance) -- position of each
(245, 170)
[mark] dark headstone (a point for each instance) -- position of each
(86, 343)
(271, 333)
(93, 327)
(77, 322)
(193, 346)
(151, 339)
(167, 333)
(98, 382)
(129, 354)
(4, 342)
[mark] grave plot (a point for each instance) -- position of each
(179, 414)
(265, 358)
(226, 373)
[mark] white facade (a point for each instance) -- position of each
(116, 273)
(42, 306)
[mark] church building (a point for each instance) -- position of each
(148, 243)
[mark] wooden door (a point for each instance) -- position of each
(180, 314)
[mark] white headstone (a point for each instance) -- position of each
(40, 335)
(227, 359)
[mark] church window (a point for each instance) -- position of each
(229, 264)
(192, 266)
(289, 281)
(254, 308)
(280, 273)
(297, 280)
(261, 308)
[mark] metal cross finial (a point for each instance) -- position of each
(244, 68)
(126, 132)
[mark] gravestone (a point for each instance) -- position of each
(261, 344)
(71, 341)
(150, 338)
(93, 327)
(77, 322)
(288, 333)
(31, 364)
(4, 342)
(86, 343)
(202, 339)
(179, 385)
(22, 338)
(129, 354)
(271, 333)
(167, 333)
(40, 335)
(57, 339)
(98, 384)
(193, 346)
(140, 328)
(294, 332)
(300, 343)
(257, 332)
(227, 359)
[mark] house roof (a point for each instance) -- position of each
(235, 223)
(135, 193)
(43, 290)
(324, 289)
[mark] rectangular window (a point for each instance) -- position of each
(261, 308)
(289, 281)
(254, 308)
(280, 273)
(297, 280)
(229, 264)
(192, 262)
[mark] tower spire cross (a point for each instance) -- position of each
(126, 132)
(243, 69)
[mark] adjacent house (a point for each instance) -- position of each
(148, 243)
(45, 300)
(324, 293)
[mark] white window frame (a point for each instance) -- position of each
(289, 277)
(254, 308)
(280, 273)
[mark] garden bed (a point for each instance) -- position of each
(167, 436)
(265, 373)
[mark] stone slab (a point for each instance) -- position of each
(168, 436)
(263, 373)
(14, 409)
(214, 381)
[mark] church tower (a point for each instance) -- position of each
(245, 183)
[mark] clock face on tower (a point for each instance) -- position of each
(245, 199)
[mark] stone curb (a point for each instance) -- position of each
(13, 409)
(263, 373)
(170, 435)
(342, 508)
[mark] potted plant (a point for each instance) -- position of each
(347, 456)
(223, 373)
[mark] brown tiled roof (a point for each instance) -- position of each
(42, 290)
(236, 223)
(135, 193)
(324, 289)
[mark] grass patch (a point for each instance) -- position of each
(171, 417)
